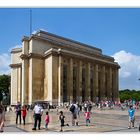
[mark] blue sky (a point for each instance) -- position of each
(116, 31)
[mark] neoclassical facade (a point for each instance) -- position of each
(58, 70)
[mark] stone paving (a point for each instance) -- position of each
(102, 121)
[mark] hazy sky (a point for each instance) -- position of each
(116, 31)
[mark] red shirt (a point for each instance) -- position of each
(87, 115)
(24, 112)
(47, 119)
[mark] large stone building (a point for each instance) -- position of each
(55, 69)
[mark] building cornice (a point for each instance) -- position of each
(16, 50)
(25, 38)
(24, 56)
(31, 55)
(34, 55)
(15, 65)
(82, 56)
(65, 43)
(79, 56)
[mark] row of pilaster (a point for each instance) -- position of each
(105, 82)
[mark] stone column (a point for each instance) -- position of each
(80, 80)
(25, 73)
(102, 85)
(60, 80)
(88, 82)
(70, 85)
(19, 90)
(25, 82)
(95, 82)
(30, 81)
(110, 84)
(115, 85)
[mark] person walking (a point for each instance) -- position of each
(38, 111)
(18, 112)
(131, 112)
(62, 121)
(47, 120)
(87, 117)
(24, 112)
(74, 112)
(2, 117)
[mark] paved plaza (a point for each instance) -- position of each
(102, 121)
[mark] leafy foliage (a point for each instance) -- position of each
(129, 95)
(4, 85)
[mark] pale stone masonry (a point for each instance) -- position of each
(58, 70)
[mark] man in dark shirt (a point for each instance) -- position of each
(18, 112)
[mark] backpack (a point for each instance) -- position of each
(72, 108)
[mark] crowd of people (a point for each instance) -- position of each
(75, 109)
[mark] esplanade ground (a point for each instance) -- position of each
(102, 121)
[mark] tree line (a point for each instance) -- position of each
(5, 81)
(129, 95)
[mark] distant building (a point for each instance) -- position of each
(55, 69)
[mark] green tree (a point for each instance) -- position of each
(129, 94)
(4, 85)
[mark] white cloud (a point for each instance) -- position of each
(129, 72)
(5, 60)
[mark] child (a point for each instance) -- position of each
(23, 110)
(87, 117)
(131, 112)
(62, 120)
(47, 119)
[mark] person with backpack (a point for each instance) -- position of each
(74, 112)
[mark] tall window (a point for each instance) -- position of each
(74, 82)
(64, 83)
